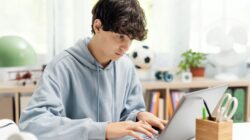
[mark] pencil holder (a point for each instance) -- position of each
(213, 130)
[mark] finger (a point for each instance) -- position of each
(143, 130)
(149, 128)
(165, 122)
(133, 134)
(157, 123)
(146, 123)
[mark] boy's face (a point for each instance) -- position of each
(112, 45)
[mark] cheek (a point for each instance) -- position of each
(109, 49)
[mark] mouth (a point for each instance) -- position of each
(119, 54)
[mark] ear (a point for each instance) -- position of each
(97, 26)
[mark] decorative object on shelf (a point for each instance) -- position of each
(15, 52)
(23, 77)
(230, 40)
(142, 57)
(194, 62)
(186, 77)
(164, 75)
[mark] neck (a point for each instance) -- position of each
(100, 58)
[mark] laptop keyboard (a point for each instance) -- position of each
(143, 136)
(148, 138)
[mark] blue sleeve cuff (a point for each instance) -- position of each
(97, 130)
(133, 115)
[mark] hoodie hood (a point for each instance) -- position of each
(82, 54)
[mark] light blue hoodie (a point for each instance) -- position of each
(76, 97)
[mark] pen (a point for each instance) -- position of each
(204, 115)
(209, 114)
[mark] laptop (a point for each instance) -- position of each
(182, 125)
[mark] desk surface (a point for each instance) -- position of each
(241, 131)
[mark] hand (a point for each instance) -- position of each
(151, 119)
(121, 129)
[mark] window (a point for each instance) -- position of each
(158, 25)
(225, 15)
(50, 26)
(27, 19)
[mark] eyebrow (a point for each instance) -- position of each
(124, 35)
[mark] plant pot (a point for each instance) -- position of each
(198, 72)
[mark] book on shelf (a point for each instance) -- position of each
(173, 101)
(176, 97)
(239, 115)
(154, 105)
(240, 94)
(161, 108)
(170, 107)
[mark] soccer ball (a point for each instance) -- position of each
(142, 57)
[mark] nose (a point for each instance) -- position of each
(124, 47)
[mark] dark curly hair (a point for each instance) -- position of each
(121, 16)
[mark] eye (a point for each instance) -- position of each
(121, 36)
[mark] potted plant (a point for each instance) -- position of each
(194, 62)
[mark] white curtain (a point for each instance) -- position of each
(72, 21)
(168, 24)
(221, 25)
(207, 15)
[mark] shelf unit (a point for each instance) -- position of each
(16, 91)
(163, 87)
(197, 83)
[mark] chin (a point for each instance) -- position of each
(116, 58)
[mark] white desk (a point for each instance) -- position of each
(241, 131)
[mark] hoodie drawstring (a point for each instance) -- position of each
(98, 94)
(113, 94)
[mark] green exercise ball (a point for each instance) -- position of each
(15, 51)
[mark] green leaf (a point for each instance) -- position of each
(190, 59)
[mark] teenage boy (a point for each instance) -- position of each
(91, 91)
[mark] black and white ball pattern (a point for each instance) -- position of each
(142, 57)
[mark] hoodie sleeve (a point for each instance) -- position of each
(44, 116)
(135, 102)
